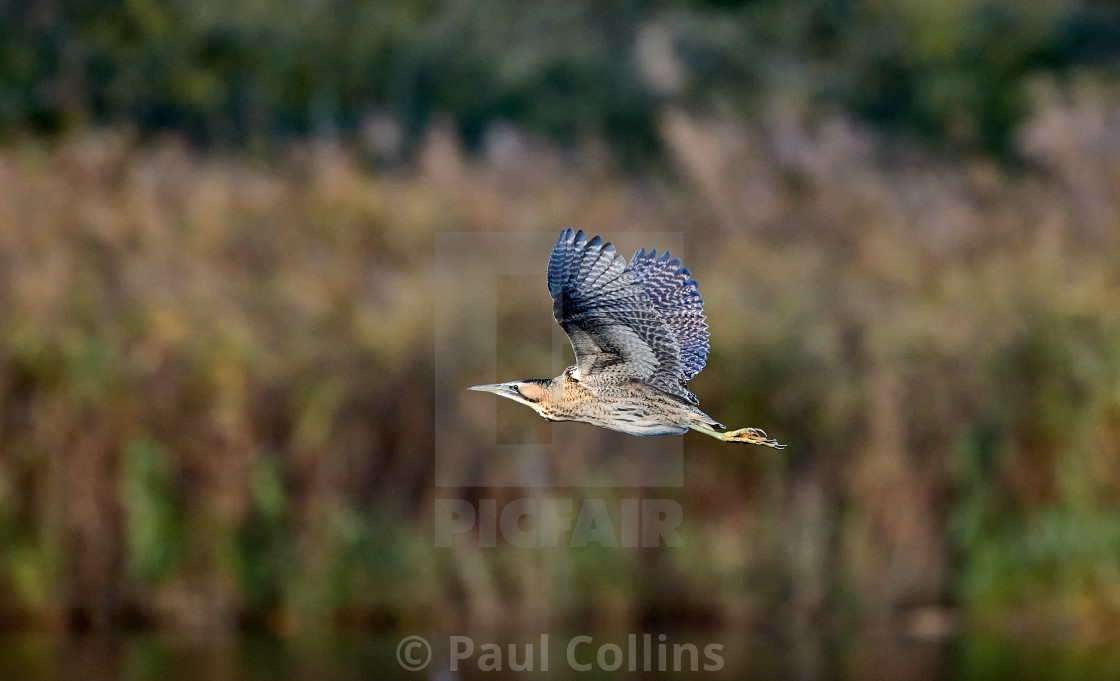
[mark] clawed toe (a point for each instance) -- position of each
(755, 436)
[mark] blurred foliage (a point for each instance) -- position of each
(216, 381)
(248, 73)
(156, 532)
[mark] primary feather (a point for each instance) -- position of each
(676, 297)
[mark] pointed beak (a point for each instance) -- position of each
(498, 388)
(510, 391)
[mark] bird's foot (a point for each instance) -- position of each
(754, 436)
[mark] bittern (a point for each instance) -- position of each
(639, 334)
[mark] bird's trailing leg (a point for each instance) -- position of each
(754, 436)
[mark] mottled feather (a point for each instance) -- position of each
(676, 298)
(616, 325)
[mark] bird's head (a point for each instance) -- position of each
(532, 392)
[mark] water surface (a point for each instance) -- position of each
(354, 656)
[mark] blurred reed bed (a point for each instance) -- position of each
(216, 380)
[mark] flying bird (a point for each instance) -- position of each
(639, 334)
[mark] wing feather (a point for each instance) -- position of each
(676, 297)
(609, 316)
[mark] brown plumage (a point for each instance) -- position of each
(639, 334)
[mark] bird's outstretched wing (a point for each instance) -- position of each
(677, 299)
(609, 316)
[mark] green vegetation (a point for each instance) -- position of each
(247, 73)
